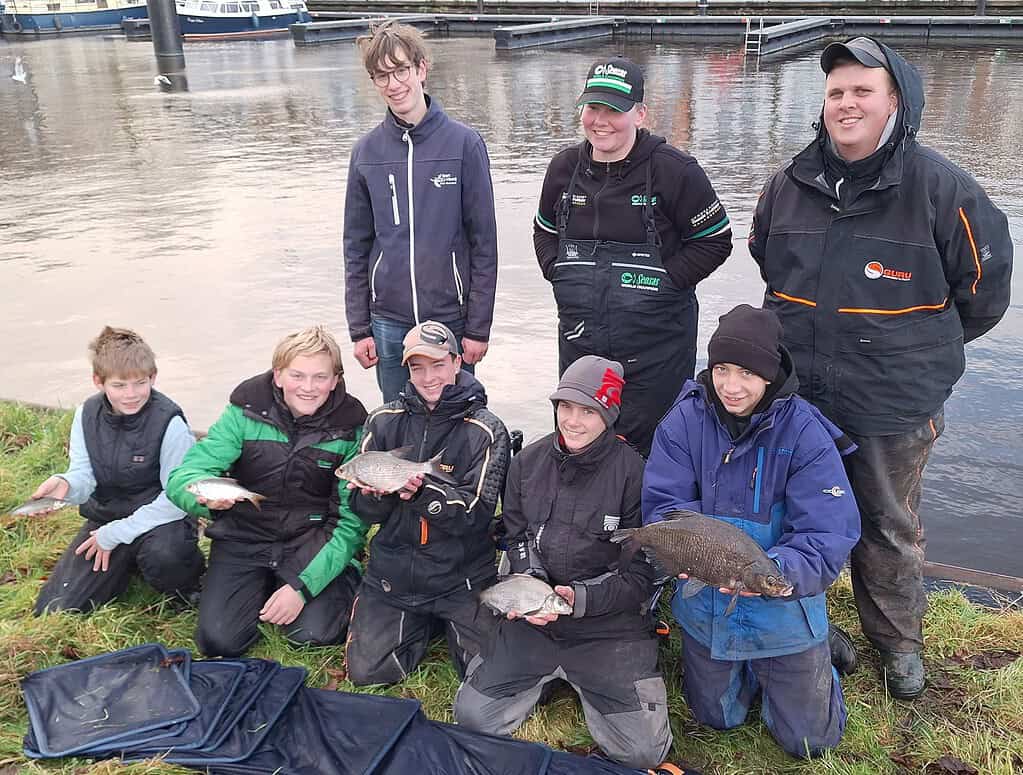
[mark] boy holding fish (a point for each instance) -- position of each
(742, 448)
(125, 440)
(433, 551)
(566, 496)
(284, 536)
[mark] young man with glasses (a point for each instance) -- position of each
(420, 235)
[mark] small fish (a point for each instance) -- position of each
(389, 471)
(31, 508)
(218, 488)
(710, 551)
(526, 594)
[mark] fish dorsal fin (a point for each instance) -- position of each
(680, 514)
(402, 452)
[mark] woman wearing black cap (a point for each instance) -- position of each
(566, 494)
(627, 226)
(740, 445)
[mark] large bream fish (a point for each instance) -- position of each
(525, 594)
(389, 471)
(711, 552)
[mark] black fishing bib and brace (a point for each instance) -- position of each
(616, 300)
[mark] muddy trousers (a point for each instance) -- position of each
(886, 474)
(234, 594)
(801, 700)
(386, 642)
(167, 557)
(622, 693)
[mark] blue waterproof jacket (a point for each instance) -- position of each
(782, 481)
(420, 234)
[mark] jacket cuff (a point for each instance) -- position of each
(360, 335)
(476, 336)
(579, 606)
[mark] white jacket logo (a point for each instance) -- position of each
(444, 179)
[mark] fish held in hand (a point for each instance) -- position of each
(390, 471)
(222, 488)
(526, 595)
(37, 506)
(710, 551)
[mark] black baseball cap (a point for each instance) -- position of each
(615, 82)
(863, 50)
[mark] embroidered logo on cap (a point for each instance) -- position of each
(610, 391)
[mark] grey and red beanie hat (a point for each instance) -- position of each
(594, 382)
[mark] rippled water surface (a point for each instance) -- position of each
(210, 221)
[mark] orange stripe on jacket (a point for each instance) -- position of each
(893, 311)
(796, 299)
(424, 531)
(973, 247)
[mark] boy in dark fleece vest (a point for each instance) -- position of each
(125, 441)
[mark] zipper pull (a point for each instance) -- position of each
(394, 199)
(753, 479)
(728, 455)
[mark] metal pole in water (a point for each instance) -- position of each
(981, 7)
(170, 56)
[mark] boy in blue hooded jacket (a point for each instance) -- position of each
(740, 445)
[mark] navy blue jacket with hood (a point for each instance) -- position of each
(781, 481)
(879, 286)
(420, 234)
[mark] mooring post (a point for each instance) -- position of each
(981, 7)
(170, 55)
(701, 7)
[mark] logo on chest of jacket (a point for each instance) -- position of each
(639, 280)
(578, 200)
(434, 507)
(835, 492)
(446, 468)
(875, 270)
(444, 179)
(639, 200)
(611, 521)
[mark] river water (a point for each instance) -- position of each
(210, 220)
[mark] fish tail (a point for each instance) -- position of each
(433, 468)
(255, 499)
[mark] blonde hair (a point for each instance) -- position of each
(309, 341)
(389, 40)
(120, 352)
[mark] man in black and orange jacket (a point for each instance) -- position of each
(881, 258)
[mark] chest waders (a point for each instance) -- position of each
(616, 300)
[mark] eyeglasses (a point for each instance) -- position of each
(400, 74)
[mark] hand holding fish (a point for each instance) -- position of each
(55, 487)
(406, 492)
(93, 551)
(542, 619)
(283, 606)
(726, 590)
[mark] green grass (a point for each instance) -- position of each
(972, 711)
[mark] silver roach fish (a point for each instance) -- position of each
(526, 594)
(711, 552)
(217, 488)
(389, 471)
(32, 508)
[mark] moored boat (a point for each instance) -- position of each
(229, 19)
(40, 17)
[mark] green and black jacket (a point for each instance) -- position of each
(305, 530)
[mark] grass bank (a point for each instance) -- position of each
(969, 720)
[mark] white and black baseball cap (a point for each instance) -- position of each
(615, 82)
(863, 50)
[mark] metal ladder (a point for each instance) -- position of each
(754, 37)
(594, 8)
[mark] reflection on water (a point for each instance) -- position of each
(210, 220)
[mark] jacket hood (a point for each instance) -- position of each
(642, 150)
(458, 400)
(259, 395)
(807, 165)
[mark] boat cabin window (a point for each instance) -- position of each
(253, 7)
(208, 7)
(229, 8)
(275, 4)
